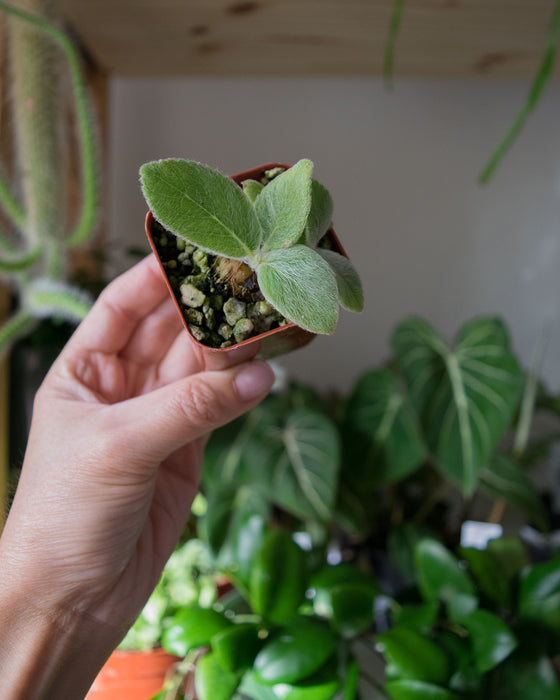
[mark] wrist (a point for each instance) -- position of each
(48, 653)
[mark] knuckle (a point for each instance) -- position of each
(201, 404)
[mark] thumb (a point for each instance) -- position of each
(161, 422)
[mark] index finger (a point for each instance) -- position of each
(121, 308)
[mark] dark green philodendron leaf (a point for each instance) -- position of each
(320, 214)
(296, 652)
(350, 291)
(417, 690)
(228, 511)
(278, 577)
(305, 465)
(526, 678)
(202, 206)
(465, 397)
(382, 430)
(191, 628)
(300, 284)
(212, 681)
(504, 478)
(491, 639)
(539, 594)
(440, 574)
(411, 656)
(252, 189)
(236, 646)
(283, 206)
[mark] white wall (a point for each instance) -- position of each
(402, 169)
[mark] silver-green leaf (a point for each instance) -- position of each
(350, 291)
(465, 396)
(320, 214)
(284, 204)
(202, 206)
(300, 284)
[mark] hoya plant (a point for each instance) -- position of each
(273, 231)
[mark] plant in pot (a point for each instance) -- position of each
(139, 666)
(36, 204)
(383, 481)
(256, 261)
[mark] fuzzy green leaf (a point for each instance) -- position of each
(350, 292)
(252, 189)
(284, 204)
(320, 214)
(300, 284)
(465, 396)
(202, 206)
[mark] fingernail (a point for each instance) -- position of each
(253, 380)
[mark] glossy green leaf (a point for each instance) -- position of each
(465, 396)
(503, 478)
(202, 206)
(298, 651)
(495, 567)
(417, 690)
(460, 606)
(414, 657)
(320, 686)
(351, 608)
(523, 678)
(440, 574)
(305, 461)
(236, 646)
(283, 206)
(301, 285)
(212, 681)
(539, 595)
(350, 291)
(320, 215)
(252, 687)
(192, 628)
(278, 578)
(420, 618)
(383, 438)
(492, 640)
(401, 545)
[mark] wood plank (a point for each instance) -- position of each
(311, 37)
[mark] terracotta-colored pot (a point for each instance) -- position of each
(277, 341)
(132, 675)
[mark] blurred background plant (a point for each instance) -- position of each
(398, 542)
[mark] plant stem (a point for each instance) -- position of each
(389, 58)
(535, 93)
(90, 195)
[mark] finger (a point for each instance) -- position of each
(121, 307)
(152, 339)
(155, 425)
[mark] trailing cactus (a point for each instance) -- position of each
(33, 254)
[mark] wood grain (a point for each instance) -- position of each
(311, 37)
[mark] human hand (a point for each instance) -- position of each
(114, 456)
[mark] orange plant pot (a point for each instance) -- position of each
(132, 675)
(272, 343)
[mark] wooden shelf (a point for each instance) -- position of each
(311, 37)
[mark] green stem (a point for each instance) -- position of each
(44, 299)
(19, 261)
(389, 59)
(537, 88)
(10, 206)
(529, 398)
(90, 198)
(18, 326)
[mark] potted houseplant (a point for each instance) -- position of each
(348, 516)
(256, 261)
(137, 669)
(35, 249)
